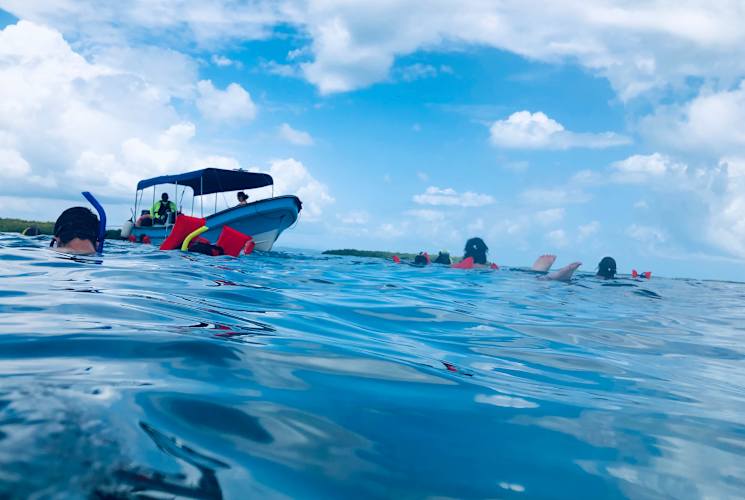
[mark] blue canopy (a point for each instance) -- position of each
(212, 180)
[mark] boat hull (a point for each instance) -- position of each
(263, 220)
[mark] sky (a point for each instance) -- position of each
(580, 129)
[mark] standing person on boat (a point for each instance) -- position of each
(76, 231)
(242, 198)
(161, 209)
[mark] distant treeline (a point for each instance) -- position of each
(18, 225)
(369, 253)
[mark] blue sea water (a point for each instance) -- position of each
(294, 374)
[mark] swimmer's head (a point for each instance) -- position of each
(607, 268)
(477, 249)
(76, 222)
(443, 258)
(421, 259)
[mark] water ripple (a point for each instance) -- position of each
(295, 374)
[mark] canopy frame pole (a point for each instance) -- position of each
(215, 204)
(152, 215)
(134, 215)
(201, 196)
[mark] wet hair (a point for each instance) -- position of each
(421, 259)
(443, 258)
(607, 267)
(476, 248)
(164, 197)
(242, 196)
(76, 222)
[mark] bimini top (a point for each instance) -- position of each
(212, 180)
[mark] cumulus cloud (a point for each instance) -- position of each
(232, 104)
(549, 216)
(294, 136)
(639, 46)
(557, 238)
(638, 169)
(59, 110)
(554, 196)
(292, 177)
(526, 130)
(584, 231)
(710, 123)
(646, 234)
(355, 217)
(449, 197)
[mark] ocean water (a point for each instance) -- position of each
(147, 374)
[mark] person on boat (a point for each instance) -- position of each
(162, 209)
(242, 198)
(607, 268)
(76, 231)
(145, 219)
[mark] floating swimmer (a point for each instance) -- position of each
(474, 255)
(607, 268)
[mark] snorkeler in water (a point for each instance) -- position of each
(76, 231)
(607, 268)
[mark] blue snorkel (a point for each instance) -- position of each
(101, 217)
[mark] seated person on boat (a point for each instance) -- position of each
(161, 209)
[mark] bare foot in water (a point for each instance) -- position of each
(544, 263)
(565, 273)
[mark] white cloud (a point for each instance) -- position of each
(639, 46)
(12, 164)
(221, 61)
(291, 177)
(294, 136)
(426, 214)
(644, 168)
(420, 71)
(646, 234)
(526, 130)
(557, 238)
(63, 112)
(449, 197)
(586, 230)
(233, 103)
(355, 217)
(710, 123)
(549, 216)
(422, 176)
(554, 196)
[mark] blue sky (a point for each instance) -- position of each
(584, 131)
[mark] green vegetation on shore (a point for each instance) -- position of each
(369, 253)
(18, 225)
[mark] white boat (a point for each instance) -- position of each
(263, 220)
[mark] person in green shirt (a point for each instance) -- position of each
(161, 209)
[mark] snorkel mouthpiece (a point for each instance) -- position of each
(101, 217)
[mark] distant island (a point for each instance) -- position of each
(351, 252)
(18, 225)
